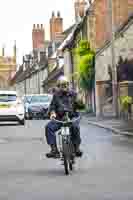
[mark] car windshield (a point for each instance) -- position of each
(41, 99)
(7, 97)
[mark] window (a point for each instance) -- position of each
(7, 97)
(41, 99)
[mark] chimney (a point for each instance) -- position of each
(80, 7)
(34, 26)
(76, 7)
(56, 26)
(58, 14)
(53, 15)
(38, 36)
(14, 51)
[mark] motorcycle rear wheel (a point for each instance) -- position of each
(66, 165)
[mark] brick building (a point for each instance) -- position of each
(122, 9)
(38, 36)
(7, 68)
(56, 27)
(79, 7)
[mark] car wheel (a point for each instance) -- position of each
(22, 122)
(26, 116)
(30, 117)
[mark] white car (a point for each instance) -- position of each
(11, 107)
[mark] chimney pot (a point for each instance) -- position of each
(53, 14)
(58, 14)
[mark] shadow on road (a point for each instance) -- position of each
(29, 172)
(9, 124)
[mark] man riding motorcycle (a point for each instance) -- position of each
(63, 98)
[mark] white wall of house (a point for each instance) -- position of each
(33, 84)
(19, 87)
(67, 64)
(44, 76)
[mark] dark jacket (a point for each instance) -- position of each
(62, 101)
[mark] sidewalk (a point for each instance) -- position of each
(117, 126)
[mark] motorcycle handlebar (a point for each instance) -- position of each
(64, 122)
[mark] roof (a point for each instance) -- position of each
(54, 75)
(68, 42)
(23, 74)
(68, 30)
(67, 33)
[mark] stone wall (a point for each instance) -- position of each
(123, 47)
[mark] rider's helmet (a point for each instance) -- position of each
(63, 83)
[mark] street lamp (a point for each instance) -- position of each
(24, 68)
(38, 76)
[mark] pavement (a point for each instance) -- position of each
(103, 173)
(118, 126)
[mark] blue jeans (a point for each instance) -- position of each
(53, 126)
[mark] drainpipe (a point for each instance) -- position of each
(38, 76)
(25, 86)
(72, 69)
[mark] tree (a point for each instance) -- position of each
(86, 67)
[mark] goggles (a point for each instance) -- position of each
(64, 85)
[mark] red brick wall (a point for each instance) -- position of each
(38, 36)
(100, 8)
(121, 10)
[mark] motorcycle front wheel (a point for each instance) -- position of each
(66, 165)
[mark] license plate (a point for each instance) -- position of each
(65, 131)
(4, 106)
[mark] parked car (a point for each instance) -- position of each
(26, 100)
(11, 107)
(39, 105)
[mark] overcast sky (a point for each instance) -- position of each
(18, 16)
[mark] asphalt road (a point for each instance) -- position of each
(104, 173)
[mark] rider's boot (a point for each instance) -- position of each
(78, 152)
(54, 153)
